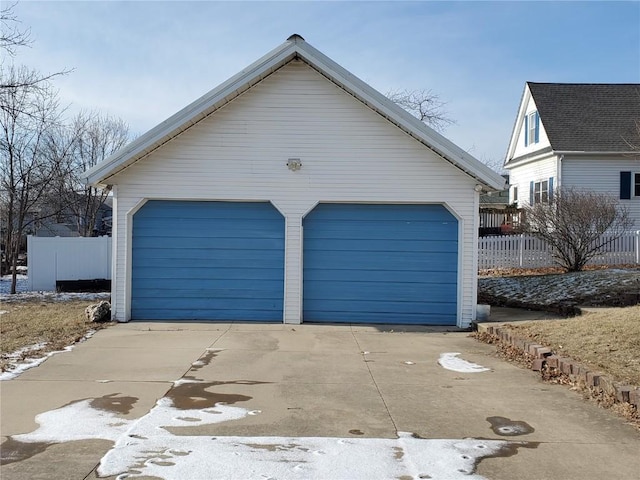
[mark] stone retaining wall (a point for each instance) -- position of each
(543, 358)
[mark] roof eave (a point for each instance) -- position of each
(191, 114)
(401, 118)
(595, 152)
(294, 47)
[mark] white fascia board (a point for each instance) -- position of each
(191, 114)
(524, 100)
(400, 117)
(255, 72)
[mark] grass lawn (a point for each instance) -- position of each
(54, 324)
(607, 340)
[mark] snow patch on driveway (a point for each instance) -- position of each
(180, 457)
(146, 448)
(450, 361)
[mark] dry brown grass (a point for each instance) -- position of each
(607, 340)
(58, 324)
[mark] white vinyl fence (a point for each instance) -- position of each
(525, 251)
(66, 258)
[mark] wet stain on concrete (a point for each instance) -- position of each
(398, 453)
(205, 359)
(114, 404)
(509, 428)
(12, 451)
(190, 396)
(507, 450)
(161, 463)
(272, 447)
(356, 432)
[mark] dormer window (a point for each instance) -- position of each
(531, 128)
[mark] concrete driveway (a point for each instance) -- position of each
(303, 401)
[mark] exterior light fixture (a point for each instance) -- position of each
(294, 164)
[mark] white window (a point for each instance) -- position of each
(532, 129)
(541, 192)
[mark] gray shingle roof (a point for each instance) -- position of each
(589, 117)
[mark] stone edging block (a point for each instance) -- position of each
(543, 356)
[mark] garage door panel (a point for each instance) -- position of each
(208, 260)
(379, 245)
(200, 273)
(334, 275)
(373, 212)
(432, 232)
(173, 228)
(205, 243)
(380, 292)
(203, 210)
(393, 308)
(406, 318)
(177, 253)
(259, 315)
(213, 304)
(392, 261)
(189, 264)
(380, 264)
(246, 287)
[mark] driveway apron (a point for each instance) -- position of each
(234, 400)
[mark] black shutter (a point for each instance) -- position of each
(625, 185)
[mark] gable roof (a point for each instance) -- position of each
(294, 48)
(588, 117)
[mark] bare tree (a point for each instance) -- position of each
(577, 224)
(27, 113)
(11, 36)
(425, 105)
(93, 137)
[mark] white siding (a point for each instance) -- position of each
(522, 176)
(520, 148)
(348, 152)
(602, 174)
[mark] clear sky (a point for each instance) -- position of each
(143, 61)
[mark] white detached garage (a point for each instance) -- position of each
(295, 192)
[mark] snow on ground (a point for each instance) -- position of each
(17, 365)
(146, 448)
(450, 361)
(22, 283)
(551, 289)
(22, 286)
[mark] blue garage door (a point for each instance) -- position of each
(207, 261)
(380, 264)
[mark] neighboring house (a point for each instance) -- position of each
(44, 222)
(576, 135)
(50, 228)
(498, 200)
(497, 215)
(295, 192)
